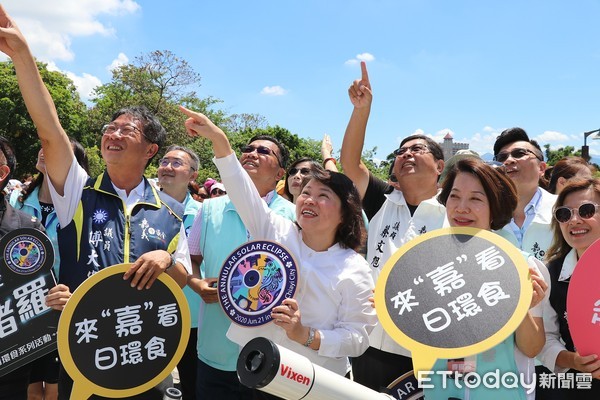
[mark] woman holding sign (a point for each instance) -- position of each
(477, 195)
(576, 226)
(330, 317)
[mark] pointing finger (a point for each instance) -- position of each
(363, 69)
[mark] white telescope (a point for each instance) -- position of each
(281, 372)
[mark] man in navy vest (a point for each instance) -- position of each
(115, 218)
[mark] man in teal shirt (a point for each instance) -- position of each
(216, 232)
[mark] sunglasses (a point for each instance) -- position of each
(260, 150)
(414, 149)
(516, 154)
(303, 171)
(217, 191)
(585, 211)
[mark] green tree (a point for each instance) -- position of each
(161, 81)
(552, 156)
(95, 161)
(15, 123)
(378, 168)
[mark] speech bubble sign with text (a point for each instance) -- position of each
(452, 293)
(118, 341)
(583, 302)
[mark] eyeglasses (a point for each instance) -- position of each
(585, 211)
(175, 163)
(418, 148)
(516, 154)
(125, 130)
(260, 150)
(303, 171)
(217, 191)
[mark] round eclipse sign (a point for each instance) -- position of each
(256, 277)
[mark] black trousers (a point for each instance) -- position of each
(376, 369)
(13, 386)
(188, 366)
(65, 386)
(215, 384)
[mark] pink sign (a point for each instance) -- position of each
(583, 302)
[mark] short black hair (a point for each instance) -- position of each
(152, 129)
(433, 146)
(284, 155)
(512, 135)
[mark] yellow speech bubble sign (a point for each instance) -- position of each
(452, 293)
(117, 341)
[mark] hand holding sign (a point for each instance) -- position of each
(452, 293)
(256, 277)
(117, 341)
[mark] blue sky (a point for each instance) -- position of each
(472, 68)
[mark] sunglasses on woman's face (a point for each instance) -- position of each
(303, 171)
(585, 211)
(217, 191)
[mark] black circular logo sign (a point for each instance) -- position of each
(256, 277)
(26, 251)
(118, 341)
(28, 325)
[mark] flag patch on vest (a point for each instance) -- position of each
(100, 216)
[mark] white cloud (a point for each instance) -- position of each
(50, 26)
(273, 91)
(365, 57)
(85, 83)
(399, 139)
(441, 134)
(368, 57)
(551, 136)
(121, 59)
(481, 142)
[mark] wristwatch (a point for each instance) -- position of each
(311, 337)
(173, 262)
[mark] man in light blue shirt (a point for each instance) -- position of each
(523, 159)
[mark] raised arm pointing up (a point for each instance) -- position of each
(57, 149)
(361, 96)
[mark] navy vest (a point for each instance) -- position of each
(558, 300)
(102, 232)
